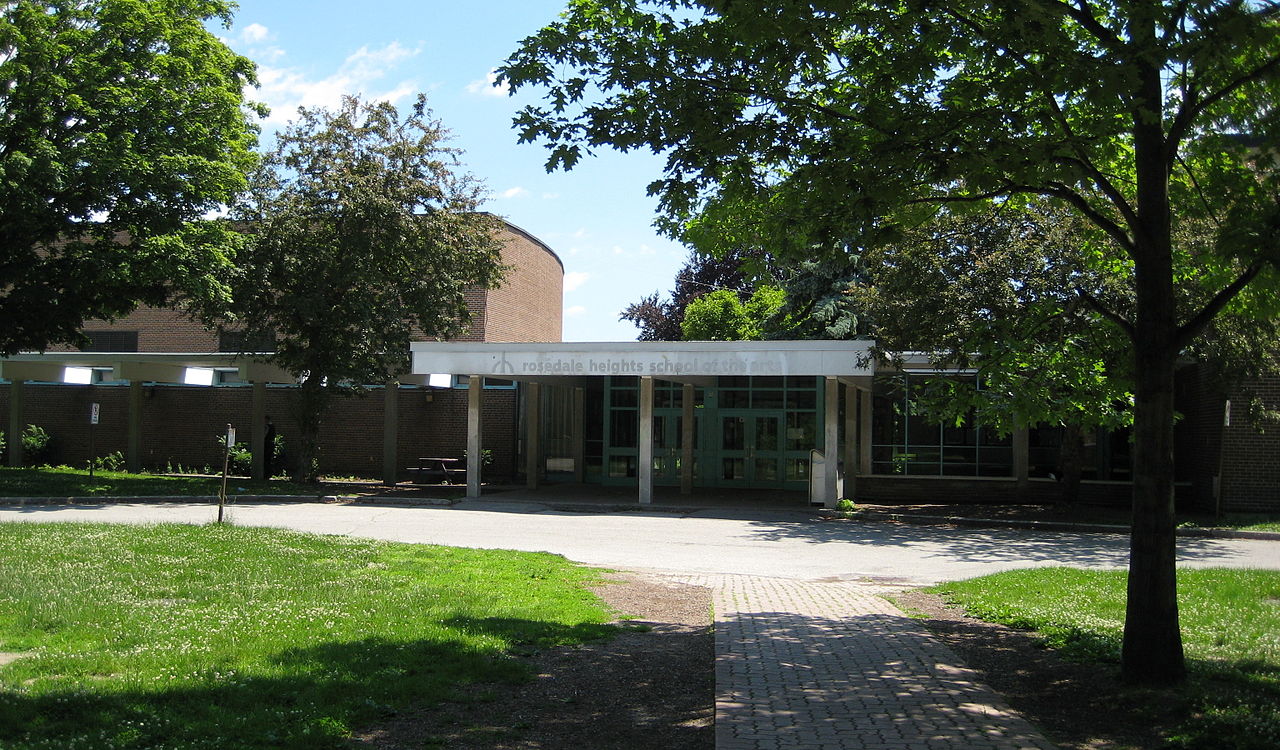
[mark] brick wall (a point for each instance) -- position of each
(529, 304)
(527, 307)
(181, 425)
(1251, 452)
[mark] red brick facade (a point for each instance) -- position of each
(181, 424)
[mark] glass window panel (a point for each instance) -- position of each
(662, 399)
(660, 441)
(767, 381)
(624, 398)
(801, 431)
(732, 468)
(624, 429)
(622, 466)
(767, 433)
(797, 469)
(767, 400)
(735, 399)
(766, 469)
(807, 381)
(802, 399)
(733, 434)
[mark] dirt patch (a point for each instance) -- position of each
(652, 686)
(1079, 706)
(8, 657)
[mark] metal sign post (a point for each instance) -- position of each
(226, 461)
(94, 412)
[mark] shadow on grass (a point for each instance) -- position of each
(306, 697)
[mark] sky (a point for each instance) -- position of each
(597, 217)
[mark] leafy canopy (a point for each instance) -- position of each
(120, 119)
(363, 234)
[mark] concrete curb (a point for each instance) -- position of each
(1090, 528)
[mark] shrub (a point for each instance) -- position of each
(109, 462)
(240, 461)
(36, 445)
(1, 442)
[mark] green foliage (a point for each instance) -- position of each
(721, 315)
(68, 482)
(839, 126)
(219, 636)
(110, 462)
(37, 445)
(2, 443)
(120, 117)
(363, 233)
(1229, 620)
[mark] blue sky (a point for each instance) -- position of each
(597, 217)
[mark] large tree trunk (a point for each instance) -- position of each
(1152, 650)
(312, 400)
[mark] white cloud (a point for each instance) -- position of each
(575, 311)
(575, 279)
(285, 89)
(515, 192)
(254, 33)
(487, 87)
(550, 196)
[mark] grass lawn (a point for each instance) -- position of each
(67, 482)
(224, 637)
(1230, 628)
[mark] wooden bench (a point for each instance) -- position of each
(444, 468)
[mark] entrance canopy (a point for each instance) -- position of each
(688, 362)
(668, 360)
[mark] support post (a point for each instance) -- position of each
(579, 435)
(17, 391)
(851, 468)
(475, 384)
(644, 468)
(1021, 460)
(687, 436)
(133, 445)
(864, 432)
(532, 434)
(258, 430)
(391, 433)
(831, 440)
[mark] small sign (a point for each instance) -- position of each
(231, 436)
(94, 412)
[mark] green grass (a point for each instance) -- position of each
(1230, 628)
(226, 637)
(67, 482)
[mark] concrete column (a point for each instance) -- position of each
(258, 430)
(864, 432)
(686, 439)
(133, 445)
(579, 435)
(17, 390)
(1021, 459)
(644, 468)
(475, 384)
(851, 441)
(831, 440)
(390, 432)
(532, 434)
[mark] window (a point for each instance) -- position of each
(490, 384)
(111, 341)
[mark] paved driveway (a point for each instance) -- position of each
(786, 544)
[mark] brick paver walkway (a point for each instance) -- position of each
(803, 664)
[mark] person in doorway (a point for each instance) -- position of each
(269, 450)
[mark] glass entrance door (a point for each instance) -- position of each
(668, 445)
(750, 448)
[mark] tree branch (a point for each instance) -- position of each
(1189, 330)
(1187, 114)
(1106, 312)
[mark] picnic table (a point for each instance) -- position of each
(443, 467)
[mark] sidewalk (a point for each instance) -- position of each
(816, 665)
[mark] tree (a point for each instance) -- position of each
(838, 120)
(118, 119)
(661, 320)
(723, 316)
(362, 234)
